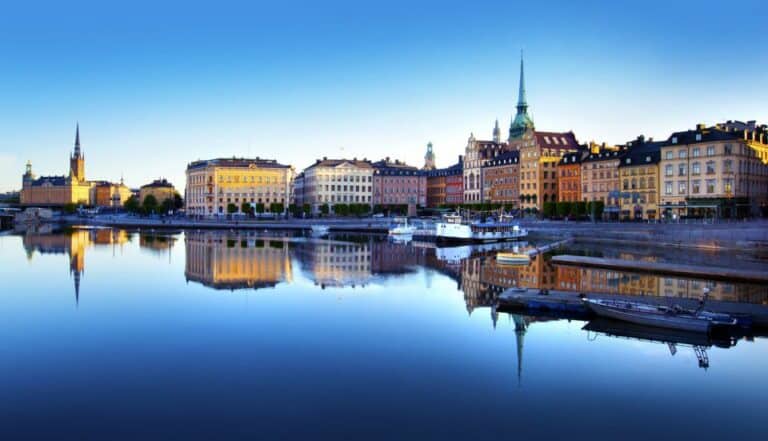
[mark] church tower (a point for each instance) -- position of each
(522, 121)
(77, 160)
(497, 133)
(429, 158)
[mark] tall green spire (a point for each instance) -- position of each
(522, 121)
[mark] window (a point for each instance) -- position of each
(695, 186)
(710, 167)
(711, 150)
(696, 152)
(727, 149)
(681, 187)
(728, 166)
(668, 188)
(696, 168)
(669, 154)
(728, 185)
(681, 169)
(668, 170)
(711, 185)
(682, 154)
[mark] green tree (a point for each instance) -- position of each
(549, 209)
(231, 208)
(579, 209)
(325, 209)
(178, 202)
(167, 206)
(595, 209)
(131, 204)
(150, 205)
(246, 208)
(341, 209)
(563, 209)
(307, 209)
(69, 208)
(276, 207)
(260, 208)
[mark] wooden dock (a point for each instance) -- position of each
(569, 304)
(672, 269)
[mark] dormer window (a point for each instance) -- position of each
(628, 161)
(698, 137)
(674, 140)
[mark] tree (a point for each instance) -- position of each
(341, 209)
(149, 205)
(231, 208)
(131, 204)
(167, 206)
(579, 209)
(246, 208)
(595, 209)
(563, 209)
(178, 202)
(307, 209)
(325, 209)
(549, 209)
(276, 207)
(69, 208)
(260, 208)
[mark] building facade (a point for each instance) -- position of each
(501, 179)
(108, 194)
(476, 154)
(215, 183)
(569, 178)
(714, 172)
(160, 189)
(338, 181)
(298, 190)
(445, 186)
(639, 176)
(396, 183)
(429, 158)
(600, 180)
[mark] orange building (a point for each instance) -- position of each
(569, 178)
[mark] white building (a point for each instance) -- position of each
(338, 181)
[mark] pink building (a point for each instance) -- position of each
(396, 183)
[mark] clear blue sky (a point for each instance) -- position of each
(156, 86)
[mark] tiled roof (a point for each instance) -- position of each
(510, 157)
(556, 140)
(701, 134)
(455, 169)
(237, 162)
(604, 155)
(337, 162)
(158, 183)
(641, 151)
(571, 158)
(49, 180)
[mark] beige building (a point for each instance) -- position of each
(109, 194)
(714, 172)
(540, 153)
(338, 181)
(639, 176)
(215, 183)
(600, 180)
(159, 188)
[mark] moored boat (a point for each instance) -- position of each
(319, 230)
(402, 228)
(453, 228)
(513, 258)
(658, 316)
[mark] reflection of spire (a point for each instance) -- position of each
(494, 315)
(520, 328)
(77, 287)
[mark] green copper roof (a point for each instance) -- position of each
(522, 120)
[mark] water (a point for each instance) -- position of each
(109, 334)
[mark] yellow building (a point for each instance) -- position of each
(713, 172)
(600, 180)
(72, 188)
(639, 180)
(159, 188)
(215, 183)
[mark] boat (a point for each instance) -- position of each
(513, 258)
(659, 316)
(453, 228)
(402, 228)
(320, 230)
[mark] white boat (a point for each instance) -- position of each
(320, 230)
(513, 258)
(658, 316)
(402, 228)
(453, 228)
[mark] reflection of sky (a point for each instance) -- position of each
(392, 358)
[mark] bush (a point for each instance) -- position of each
(150, 204)
(549, 209)
(131, 204)
(563, 209)
(325, 209)
(69, 208)
(231, 208)
(246, 208)
(276, 207)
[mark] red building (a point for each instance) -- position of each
(396, 183)
(569, 177)
(445, 186)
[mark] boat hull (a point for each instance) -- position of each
(658, 320)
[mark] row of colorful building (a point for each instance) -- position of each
(719, 170)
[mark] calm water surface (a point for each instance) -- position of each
(109, 334)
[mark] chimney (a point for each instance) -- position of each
(325, 158)
(701, 126)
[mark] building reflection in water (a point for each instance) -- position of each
(74, 243)
(237, 260)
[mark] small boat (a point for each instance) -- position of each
(659, 316)
(402, 228)
(320, 230)
(513, 258)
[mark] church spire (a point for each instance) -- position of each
(522, 104)
(77, 141)
(522, 122)
(496, 132)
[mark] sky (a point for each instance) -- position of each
(155, 85)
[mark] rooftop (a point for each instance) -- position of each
(236, 162)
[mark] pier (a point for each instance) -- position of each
(672, 269)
